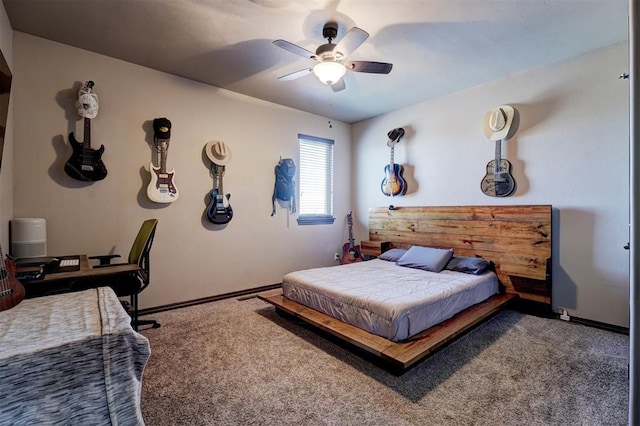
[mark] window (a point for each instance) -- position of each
(316, 180)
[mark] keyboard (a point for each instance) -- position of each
(69, 262)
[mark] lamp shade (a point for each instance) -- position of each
(329, 72)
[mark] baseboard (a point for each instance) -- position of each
(601, 325)
(544, 310)
(193, 302)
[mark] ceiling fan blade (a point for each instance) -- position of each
(339, 85)
(368, 66)
(294, 48)
(350, 42)
(295, 74)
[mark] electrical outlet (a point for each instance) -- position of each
(336, 257)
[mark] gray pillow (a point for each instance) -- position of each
(392, 255)
(427, 258)
(468, 265)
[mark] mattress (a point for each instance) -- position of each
(71, 359)
(385, 299)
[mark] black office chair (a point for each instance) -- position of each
(134, 283)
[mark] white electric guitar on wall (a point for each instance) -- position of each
(161, 188)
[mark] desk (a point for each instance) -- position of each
(64, 282)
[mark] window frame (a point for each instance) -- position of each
(316, 219)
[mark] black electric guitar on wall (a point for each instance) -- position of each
(219, 210)
(351, 252)
(11, 290)
(393, 183)
(85, 162)
(498, 182)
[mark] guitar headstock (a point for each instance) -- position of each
(87, 101)
(350, 218)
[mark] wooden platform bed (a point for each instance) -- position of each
(516, 238)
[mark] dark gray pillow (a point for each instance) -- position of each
(468, 265)
(392, 255)
(427, 258)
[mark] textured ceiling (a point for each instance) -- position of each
(436, 46)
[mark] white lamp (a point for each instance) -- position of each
(329, 72)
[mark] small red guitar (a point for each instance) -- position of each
(11, 290)
(351, 252)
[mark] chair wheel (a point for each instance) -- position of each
(156, 325)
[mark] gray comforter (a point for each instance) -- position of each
(71, 359)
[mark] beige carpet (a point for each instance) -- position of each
(239, 363)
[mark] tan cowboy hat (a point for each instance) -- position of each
(218, 153)
(497, 122)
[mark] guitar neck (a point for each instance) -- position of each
(86, 143)
(498, 157)
(351, 244)
(162, 152)
(350, 221)
(391, 159)
(4, 275)
(218, 173)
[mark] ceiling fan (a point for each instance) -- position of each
(331, 57)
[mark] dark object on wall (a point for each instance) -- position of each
(161, 128)
(219, 210)
(284, 188)
(85, 163)
(393, 183)
(5, 91)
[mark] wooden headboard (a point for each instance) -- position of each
(516, 238)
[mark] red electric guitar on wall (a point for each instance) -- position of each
(351, 252)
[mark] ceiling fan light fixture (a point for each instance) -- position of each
(329, 72)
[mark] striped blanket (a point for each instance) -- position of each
(71, 359)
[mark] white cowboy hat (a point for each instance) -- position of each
(218, 153)
(497, 122)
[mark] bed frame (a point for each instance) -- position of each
(516, 238)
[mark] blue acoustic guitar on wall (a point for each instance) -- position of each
(85, 162)
(393, 183)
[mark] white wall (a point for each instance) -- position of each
(190, 258)
(571, 151)
(6, 171)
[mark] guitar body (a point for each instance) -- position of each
(11, 290)
(498, 182)
(350, 255)
(85, 163)
(393, 183)
(217, 212)
(161, 188)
